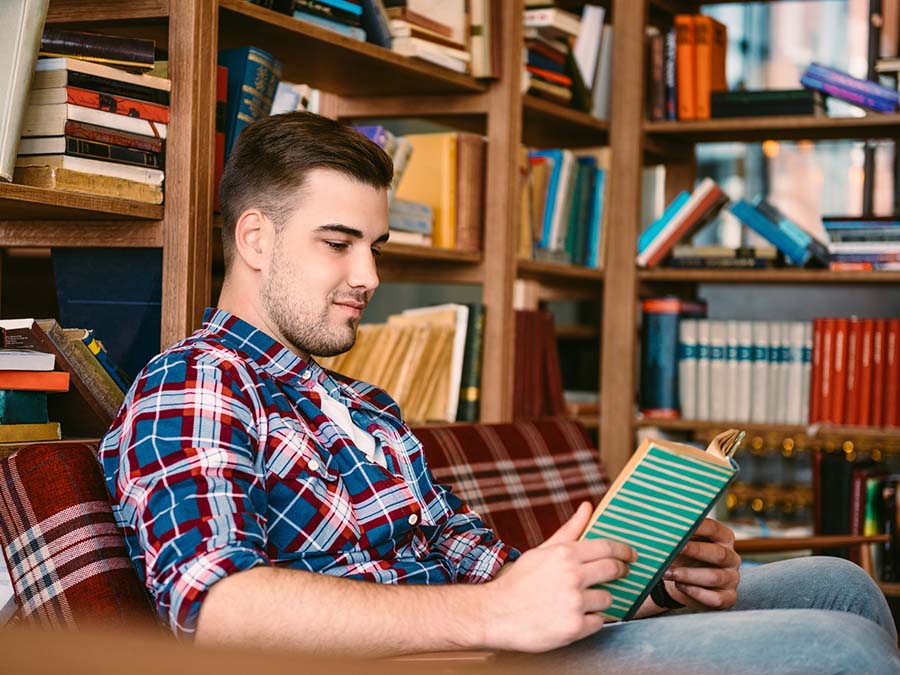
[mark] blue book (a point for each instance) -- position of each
(556, 157)
(382, 137)
(375, 23)
(23, 407)
(847, 81)
(658, 225)
(354, 32)
(859, 224)
(750, 216)
(818, 251)
(537, 60)
(403, 222)
(595, 222)
(120, 377)
(253, 77)
(410, 208)
(350, 7)
(835, 87)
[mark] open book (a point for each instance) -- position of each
(655, 505)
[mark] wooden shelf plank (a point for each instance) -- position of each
(81, 234)
(549, 272)
(548, 124)
(23, 202)
(775, 276)
(815, 436)
(786, 127)
(332, 62)
(67, 11)
(426, 264)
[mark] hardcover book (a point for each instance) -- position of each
(130, 53)
(655, 505)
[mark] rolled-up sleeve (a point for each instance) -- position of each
(184, 468)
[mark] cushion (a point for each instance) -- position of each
(66, 557)
(525, 479)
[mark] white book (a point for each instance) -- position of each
(718, 374)
(562, 205)
(50, 120)
(731, 370)
(432, 56)
(775, 396)
(600, 87)
(451, 13)
(703, 384)
(760, 380)
(687, 368)
(401, 44)
(587, 44)
(744, 387)
(794, 389)
(26, 359)
(706, 186)
(554, 22)
(139, 174)
(52, 73)
(807, 370)
(287, 99)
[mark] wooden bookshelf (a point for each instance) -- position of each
(549, 124)
(23, 202)
(773, 276)
(427, 264)
(71, 11)
(782, 127)
(550, 272)
(81, 234)
(332, 62)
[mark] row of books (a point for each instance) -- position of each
(427, 358)
(453, 34)
(568, 58)
(96, 118)
(863, 244)
(686, 65)
(538, 383)
(564, 198)
(855, 373)
(39, 360)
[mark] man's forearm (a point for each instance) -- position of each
(268, 606)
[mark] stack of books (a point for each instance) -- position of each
(428, 359)
(549, 70)
(841, 85)
(411, 222)
(26, 378)
(799, 247)
(341, 16)
(863, 244)
(96, 120)
(431, 31)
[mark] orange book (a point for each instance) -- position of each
(30, 380)
(854, 363)
(685, 68)
(711, 41)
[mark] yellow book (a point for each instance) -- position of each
(55, 178)
(431, 178)
(20, 433)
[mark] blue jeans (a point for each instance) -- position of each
(808, 615)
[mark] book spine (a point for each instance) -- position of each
(775, 393)
(407, 223)
(744, 384)
(118, 105)
(221, 126)
(891, 415)
(760, 365)
(718, 373)
(815, 380)
(330, 11)
(670, 76)
(703, 66)
(756, 221)
(19, 433)
(253, 77)
(842, 79)
(848, 95)
(103, 358)
(115, 87)
(595, 233)
(731, 369)
(703, 363)
(879, 363)
(375, 23)
(79, 147)
(806, 359)
(92, 132)
(827, 393)
(93, 46)
(839, 370)
(470, 173)
(851, 400)
(685, 68)
(659, 358)
(864, 373)
(687, 368)
(23, 407)
(658, 225)
(656, 103)
(470, 383)
(338, 27)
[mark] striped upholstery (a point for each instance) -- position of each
(66, 557)
(525, 479)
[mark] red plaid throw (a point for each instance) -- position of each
(524, 479)
(66, 557)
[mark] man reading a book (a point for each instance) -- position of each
(268, 501)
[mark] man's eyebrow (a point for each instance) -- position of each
(350, 232)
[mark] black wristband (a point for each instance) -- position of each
(661, 597)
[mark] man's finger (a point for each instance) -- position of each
(601, 571)
(708, 577)
(596, 600)
(598, 549)
(712, 553)
(713, 530)
(573, 527)
(711, 598)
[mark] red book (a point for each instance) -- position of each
(878, 371)
(120, 105)
(30, 380)
(550, 76)
(851, 399)
(92, 132)
(815, 375)
(827, 387)
(864, 373)
(892, 374)
(839, 370)
(221, 99)
(708, 206)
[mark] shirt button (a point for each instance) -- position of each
(413, 519)
(313, 465)
(304, 376)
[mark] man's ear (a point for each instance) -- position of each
(253, 239)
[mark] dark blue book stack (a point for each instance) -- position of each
(864, 93)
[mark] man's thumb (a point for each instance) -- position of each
(573, 527)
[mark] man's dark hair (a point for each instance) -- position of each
(271, 158)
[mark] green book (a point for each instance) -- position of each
(470, 379)
(655, 505)
(23, 407)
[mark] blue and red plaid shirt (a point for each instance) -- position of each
(221, 460)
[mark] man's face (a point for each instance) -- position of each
(322, 272)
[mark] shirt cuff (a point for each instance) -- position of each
(196, 578)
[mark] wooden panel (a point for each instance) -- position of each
(464, 112)
(504, 132)
(327, 60)
(547, 124)
(23, 202)
(64, 11)
(773, 544)
(777, 276)
(619, 289)
(792, 127)
(556, 272)
(425, 264)
(189, 199)
(69, 233)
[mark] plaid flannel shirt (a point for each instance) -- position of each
(221, 460)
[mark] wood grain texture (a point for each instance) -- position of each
(547, 124)
(67, 11)
(763, 276)
(77, 234)
(788, 127)
(619, 289)
(24, 202)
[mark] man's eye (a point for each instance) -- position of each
(337, 245)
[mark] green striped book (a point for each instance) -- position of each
(655, 505)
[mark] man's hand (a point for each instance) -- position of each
(544, 600)
(705, 574)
